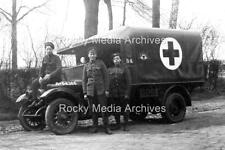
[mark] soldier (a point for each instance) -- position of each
(95, 88)
(119, 81)
(50, 71)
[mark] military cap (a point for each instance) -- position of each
(92, 50)
(116, 54)
(49, 44)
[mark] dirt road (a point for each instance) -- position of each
(203, 128)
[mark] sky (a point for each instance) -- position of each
(65, 18)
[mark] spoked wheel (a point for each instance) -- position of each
(175, 108)
(28, 121)
(59, 119)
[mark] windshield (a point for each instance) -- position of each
(68, 60)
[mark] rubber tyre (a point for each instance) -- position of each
(175, 108)
(26, 123)
(53, 111)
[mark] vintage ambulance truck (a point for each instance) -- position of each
(165, 66)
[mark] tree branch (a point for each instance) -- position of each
(141, 9)
(20, 9)
(6, 17)
(7, 13)
(32, 9)
(32, 46)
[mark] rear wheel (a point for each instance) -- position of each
(29, 122)
(175, 108)
(61, 121)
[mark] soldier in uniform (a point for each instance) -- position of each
(119, 81)
(50, 72)
(95, 88)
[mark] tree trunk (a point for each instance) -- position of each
(174, 14)
(13, 19)
(109, 7)
(91, 18)
(124, 12)
(14, 35)
(155, 13)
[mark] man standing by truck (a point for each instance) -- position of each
(95, 88)
(119, 87)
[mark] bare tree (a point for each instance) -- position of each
(110, 12)
(32, 47)
(14, 18)
(1, 63)
(28, 61)
(141, 8)
(174, 14)
(210, 42)
(138, 6)
(2, 59)
(186, 25)
(124, 12)
(155, 13)
(27, 57)
(91, 18)
(211, 39)
(5, 57)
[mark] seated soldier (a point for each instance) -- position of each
(119, 81)
(50, 72)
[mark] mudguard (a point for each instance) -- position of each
(22, 98)
(179, 89)
(54, 91)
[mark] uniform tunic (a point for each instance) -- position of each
(51, 64)
(119, 77)
(95, 78)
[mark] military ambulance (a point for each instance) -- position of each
(165, 66)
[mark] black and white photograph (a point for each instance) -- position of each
(112, 74)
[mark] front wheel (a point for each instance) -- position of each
(28, 121)
(59, 119)
(175, 108)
